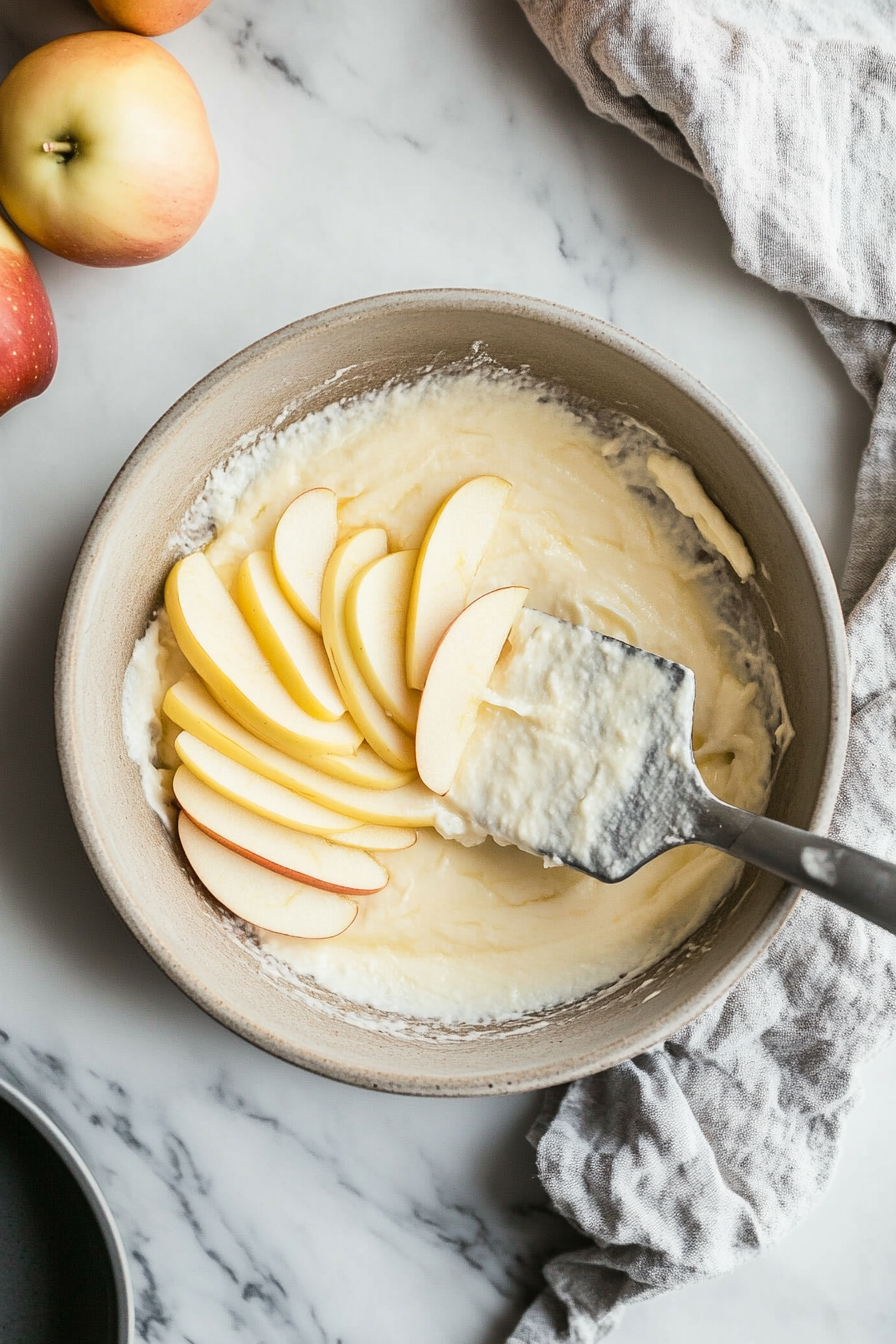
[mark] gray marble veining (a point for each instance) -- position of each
(192, 1151)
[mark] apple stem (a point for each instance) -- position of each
(63, 147)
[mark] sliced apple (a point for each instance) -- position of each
(379, 838)
(218, 643)
(304, 858)
(366, 769)
(376, 618)
(191, 707)
(260, 795)
(293, 650)
(303, 543)
(457, 680)
(446, 566)
(383, 733)
(264, 898)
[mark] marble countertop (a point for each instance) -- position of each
(364, 147)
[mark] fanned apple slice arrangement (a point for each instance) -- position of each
(333, 692)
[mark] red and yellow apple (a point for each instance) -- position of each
(149, 17)
(27, 331)
(106, 156)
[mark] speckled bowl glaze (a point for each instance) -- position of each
(117, 584)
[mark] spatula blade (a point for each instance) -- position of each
(583, 753)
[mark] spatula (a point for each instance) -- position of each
(609, 778)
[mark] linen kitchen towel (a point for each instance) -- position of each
(683, 1162)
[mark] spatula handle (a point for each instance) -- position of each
(857, 881)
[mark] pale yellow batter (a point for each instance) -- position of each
(460, 933)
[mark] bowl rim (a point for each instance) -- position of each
(87, 1183)
(548, 312)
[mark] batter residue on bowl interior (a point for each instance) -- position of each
(467, 934)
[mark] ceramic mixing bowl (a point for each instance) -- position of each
(117, 584)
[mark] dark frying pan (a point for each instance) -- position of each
(63, 1269)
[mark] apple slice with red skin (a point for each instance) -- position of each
(28, 345)
(304, 858)
(260, 896)
(457, 680)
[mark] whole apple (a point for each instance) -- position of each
(27, 331)
(149, 17)
(106, 156)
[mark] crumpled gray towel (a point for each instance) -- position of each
(685, 1161)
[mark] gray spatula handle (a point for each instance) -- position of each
(859, 882)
